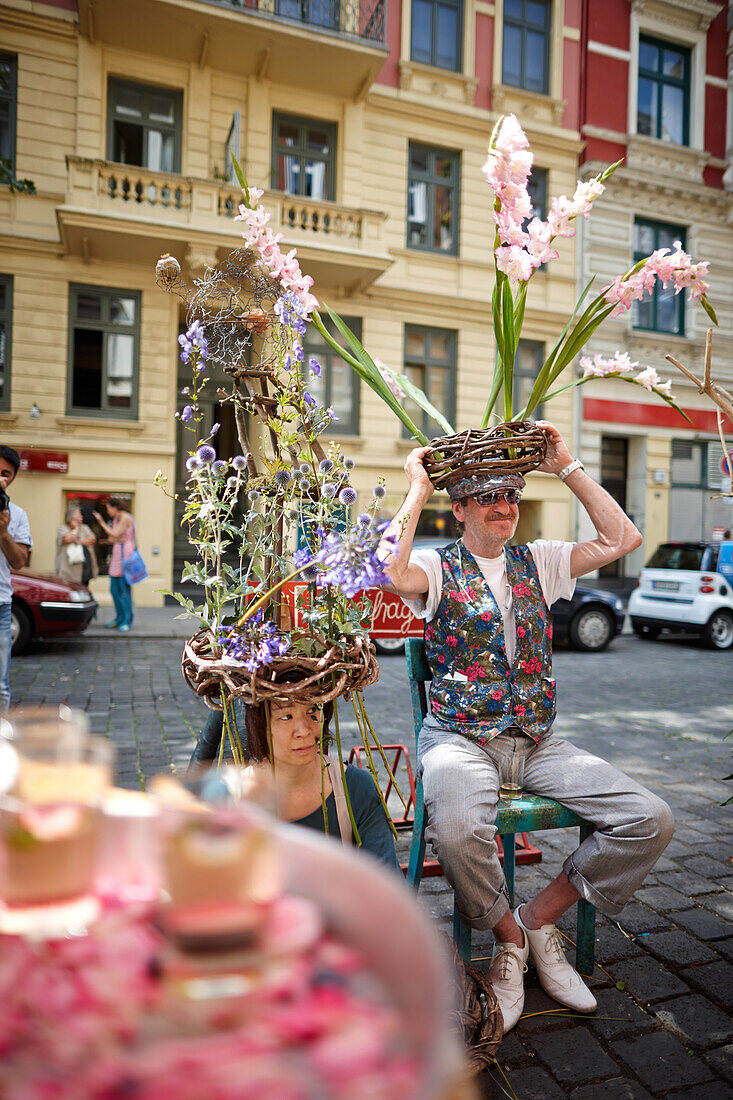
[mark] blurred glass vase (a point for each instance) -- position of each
(53, 777)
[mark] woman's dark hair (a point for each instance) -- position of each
(117, 503)
(258, 748)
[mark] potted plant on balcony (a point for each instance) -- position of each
(521, 245)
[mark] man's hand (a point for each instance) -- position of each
(4, 521)
(558, 456)
(417, 475)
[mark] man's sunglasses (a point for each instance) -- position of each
(487, 500)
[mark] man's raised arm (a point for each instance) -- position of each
(408, 580)
(616, 535)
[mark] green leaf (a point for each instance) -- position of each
(543, 382)
(621, 986)
(507, 319)
(239, 173)
(419, 397)
(496, 313)
(361, 362)
(709, 309)
(495, 388)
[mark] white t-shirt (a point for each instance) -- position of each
(551, 557)
(18, 529)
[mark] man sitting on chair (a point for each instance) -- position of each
(488, 640)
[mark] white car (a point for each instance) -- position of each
(686, 586)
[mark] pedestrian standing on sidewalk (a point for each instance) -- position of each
(122, 535)
(15, 545)
(74, 546)
(488, 640)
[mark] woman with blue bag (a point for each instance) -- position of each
(126, 567)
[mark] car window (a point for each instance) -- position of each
(674, 556)
(712, 564)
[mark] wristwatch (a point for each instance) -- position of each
(565, 473)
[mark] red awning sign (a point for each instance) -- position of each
(45, 462)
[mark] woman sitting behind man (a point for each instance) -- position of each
(300, 777)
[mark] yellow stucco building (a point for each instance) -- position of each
(367, 129)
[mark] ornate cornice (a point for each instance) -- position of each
(695, 14)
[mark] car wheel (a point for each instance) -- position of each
(718, 633)
(644, 631)
(388, 646)
(21, 630)
(592, 629)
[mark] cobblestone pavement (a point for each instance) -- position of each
(660, 710)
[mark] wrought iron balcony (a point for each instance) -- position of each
(364, 20)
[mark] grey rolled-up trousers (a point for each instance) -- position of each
(461, 788)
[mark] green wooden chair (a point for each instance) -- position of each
(525, 814)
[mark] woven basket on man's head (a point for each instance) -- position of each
(341, 669)
(512, 448)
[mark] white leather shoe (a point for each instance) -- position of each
(506, 974)
(557, 976)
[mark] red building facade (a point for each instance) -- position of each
(655, 92)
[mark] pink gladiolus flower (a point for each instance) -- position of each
(540, 249)
(598, 367)
(648, 378)
(514, 262)
(510, 230)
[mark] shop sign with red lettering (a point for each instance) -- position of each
(45, 462)
(390, 617)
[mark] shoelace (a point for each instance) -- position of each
(504, 956)
(554, 947)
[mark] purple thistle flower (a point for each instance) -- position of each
(378, 492)
(220, 468)
(255, 643)
(348, 495)
(348, 560)
(349, 464)
(282, 479)
(325, 465)
(193, 463)
(206, 454)
(329, 490)
(315, 367)
(253, 496)
(364, 519)
(187, 413)
(239, 462)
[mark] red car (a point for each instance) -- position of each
(46, 606)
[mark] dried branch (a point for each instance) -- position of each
(717, 393)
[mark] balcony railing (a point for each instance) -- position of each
(326, 223)
(364, 20)
(347, 241)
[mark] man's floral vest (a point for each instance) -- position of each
(465, 639)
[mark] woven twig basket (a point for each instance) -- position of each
(513, 448)
(339, 671)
